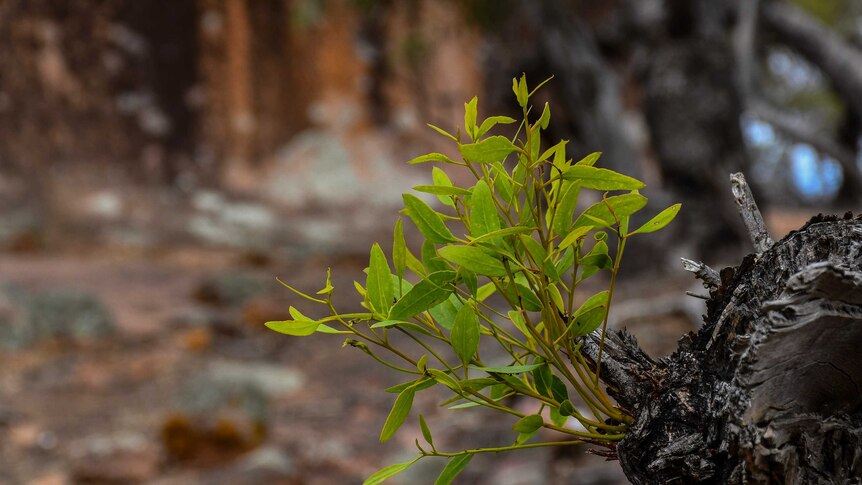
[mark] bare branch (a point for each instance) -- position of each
(750, 213)
(709, 276)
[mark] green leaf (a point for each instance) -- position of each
(540, 257)
(445, 192)
(389, 472)
(558, 418)
(567, 408)
(558, 389)
(528, 424)
(589, 315)
(491, 122)
(430, 291)
(609, 211)
(445, 379)
(590, 159)
(509, 369)
(431, 260)
(470, 280)
(445, 312)
(465, 334)
(433, 157)
(484, 291)
(545, 118)
(542, 379)
(453, 468)
(566, 203)
(573, 236)
(474, 259)
(502, 182)
(324, 328)
(296, 328)
(659, 221)
(601, 178)
(506, 231)
(518, 320)
(528, 299)
(398, 413)
(327, 288)
(566, 262)
(426, 432)
(430, 223)
(443, 132)
(443, 183)
(470, 109)
(421, 384)
(399, 249)
(378, 285)
(483, 213)
(491, 149)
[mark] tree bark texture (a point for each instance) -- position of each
(768, 391)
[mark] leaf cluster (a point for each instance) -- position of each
(517, 233)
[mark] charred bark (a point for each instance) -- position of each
(768, 391)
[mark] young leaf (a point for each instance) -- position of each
(433, 157)
(659, 221)
(545, 118)
(520, 88)
(590, 159)
(415, 327)
(398, 413)
(470, 113)
(601, 178)
(430, 223)
(609, 211)
(399, 249)
(432, 290)
(506, 231)
(453, 468)
(474, 259)
(491, 122)
(426, 432)
(465, 333)
(378, 285)
(445, 379)
(296, 328)
(528, 424)
(389, 472)
(443, 132)
(491, 149)
(483, 213)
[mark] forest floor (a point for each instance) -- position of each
(186, 386)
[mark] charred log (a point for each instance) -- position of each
(768, 391)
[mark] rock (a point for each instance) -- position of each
(269, 465)
(26, 319)
(122, 458)
(239, 224)
(230, 288)
(68, 313)
(224, 411)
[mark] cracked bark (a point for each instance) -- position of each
(768, 391)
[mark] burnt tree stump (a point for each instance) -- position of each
(770, 389)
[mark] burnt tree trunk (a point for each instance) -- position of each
(768, 391)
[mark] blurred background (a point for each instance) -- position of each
(162, 161)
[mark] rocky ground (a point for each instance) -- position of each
(153, 367)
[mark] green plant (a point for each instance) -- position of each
(523, 241)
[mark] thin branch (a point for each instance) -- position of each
(709, 276)
(750, 213)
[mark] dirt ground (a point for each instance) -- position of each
(190, 388)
